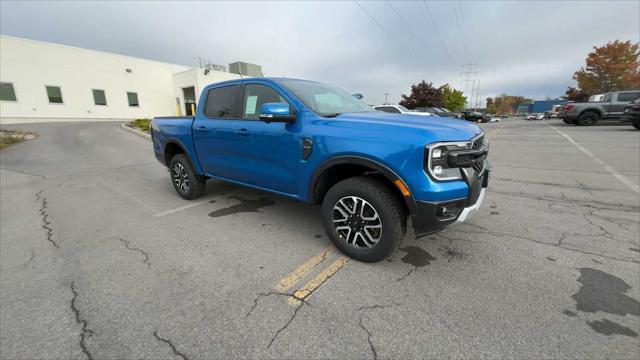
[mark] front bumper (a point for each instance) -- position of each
(430, 217)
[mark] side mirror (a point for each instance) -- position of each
(276, 112)
(358, 96)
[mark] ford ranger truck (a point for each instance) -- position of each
(369, 170)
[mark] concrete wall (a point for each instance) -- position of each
(30, 65)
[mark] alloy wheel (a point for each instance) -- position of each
(357, 222)
(180, 178)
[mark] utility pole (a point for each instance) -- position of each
(469, 74)
(386, 96)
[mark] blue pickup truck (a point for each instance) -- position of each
(312, 142)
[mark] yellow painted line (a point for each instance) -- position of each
(494, 132)
(315, 283)
(302, 270)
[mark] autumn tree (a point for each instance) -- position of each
(423, 94)
(506, 103)
(453, 99)
(577, 95)
(612, 67)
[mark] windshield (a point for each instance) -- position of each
(325, 100)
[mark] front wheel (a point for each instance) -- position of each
(363, 218)
(184, 178)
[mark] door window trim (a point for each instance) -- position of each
(206, 102)
(292, 108)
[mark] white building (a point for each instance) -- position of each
(42, 81)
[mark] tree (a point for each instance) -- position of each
(576, 95)
(423, 94)
(453, 99)
(612, 67)
(506, 103)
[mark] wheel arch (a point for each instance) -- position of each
(339, 168)
(593, 110)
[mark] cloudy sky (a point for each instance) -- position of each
(528, 48)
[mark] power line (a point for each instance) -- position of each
(382, 28)
(462, 21)
(435, 26)
(464, 45)
(407, 25)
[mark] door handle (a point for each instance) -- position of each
(243, 132)
(201, 128)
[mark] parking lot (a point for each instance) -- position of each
(100, 258)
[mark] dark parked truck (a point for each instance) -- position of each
(589, 113)
(312, 142)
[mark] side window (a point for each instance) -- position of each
(389, 109)
(222, 102)
(6, 92)
(628, 97)
(55, 94)
(132, 98)
(255, 95)
(607, 97)
(99, 98)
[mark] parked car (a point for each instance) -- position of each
(589, 113)
(399, 109)
(474, 116)
(315, 143)
(535, 116)
(632, 112)
(439, 111)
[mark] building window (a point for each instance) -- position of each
(99, 98)
(55, 94)
(6, 92)
(133, 98)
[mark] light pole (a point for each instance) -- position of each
(386, 96)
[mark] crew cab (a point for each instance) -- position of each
(589, 113)
(369, 170)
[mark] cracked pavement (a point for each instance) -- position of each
(100, 259)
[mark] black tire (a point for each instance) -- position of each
(636, 124)
(569, 121)
(377, 196)
(184, 178)
(588, 118)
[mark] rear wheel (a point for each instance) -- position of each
(363, 218)
(184, 178)
(636, 124)
(588, 118)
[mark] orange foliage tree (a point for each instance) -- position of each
(612, 67)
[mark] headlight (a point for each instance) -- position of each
(436, 160)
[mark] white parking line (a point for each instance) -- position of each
(180, 208)
(623, 179)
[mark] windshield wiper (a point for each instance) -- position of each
(331, 115)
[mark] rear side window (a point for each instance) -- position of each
(628, 97)
(222, 102)
(6, 92)
(388, 109)
(256, 95)
(607, 97)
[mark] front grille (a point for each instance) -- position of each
(478, 143)
(478, 166)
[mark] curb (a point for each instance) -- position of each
(137, 132)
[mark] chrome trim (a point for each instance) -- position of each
(466, 212)
(466, 144)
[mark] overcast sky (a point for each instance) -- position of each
(528, 48)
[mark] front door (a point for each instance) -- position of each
(273, 157)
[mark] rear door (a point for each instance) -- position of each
(621, 100)
(216, 133)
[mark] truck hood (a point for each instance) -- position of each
(433, 128)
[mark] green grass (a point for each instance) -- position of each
(141, 124)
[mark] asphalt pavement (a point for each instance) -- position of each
(100, 259)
